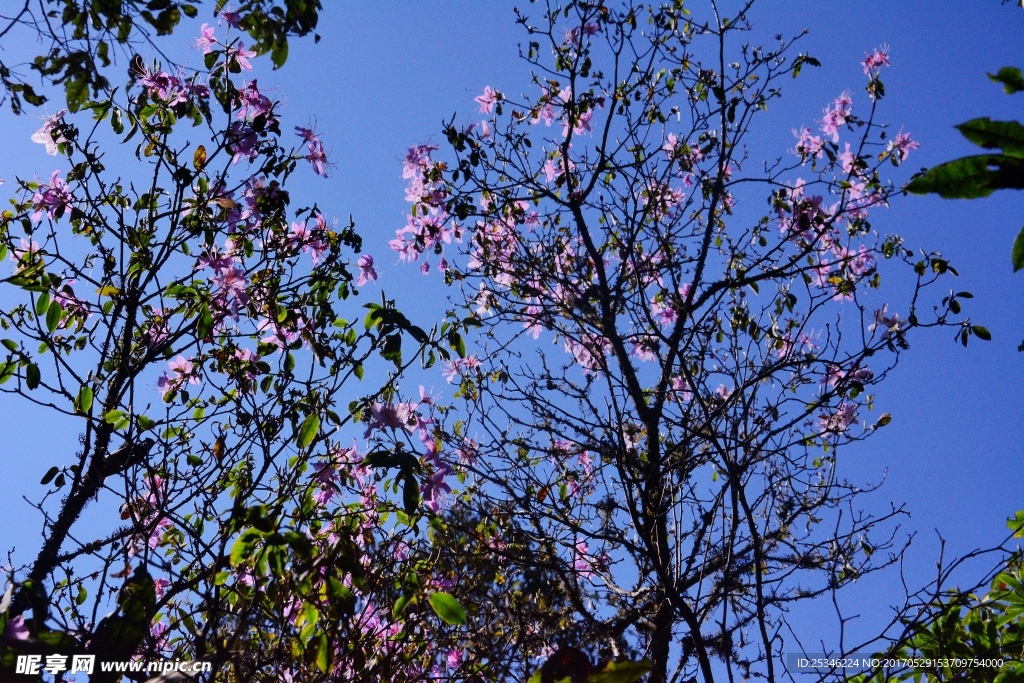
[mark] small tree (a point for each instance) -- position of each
(673, 462)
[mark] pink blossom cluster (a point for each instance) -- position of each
(874, 62)
(589, 351)
(837, 115)
(839, 421)
(572, 35)
(51, 198)
(172, 90)
(429, 226)
(180, 372)
(835, 376)
(230, 281)
(148, 510)
(45, 135)
(460, 367)
(685, 157)
(72, 305)
(316, 155)
(405, 417)
(557, 104)
(312, 241)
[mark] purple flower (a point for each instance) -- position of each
(44, 136)
(242, 56)
(242, 141)
(839, 421)
(488, 100)
(181, 371)
(160, 585)
(892, 324)
(16, 629)
(206, 41)
(252, 103)
(876, 60)
(901, 146)
(51, 197)
(366, 270)
(231, 17)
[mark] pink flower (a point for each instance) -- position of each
(847, 159)
(252, 103)
(876, 60)
(837, 116)
(160, 585)
(242, 141)
(242, 56)
(206, 41)
(892, 325)
(460, 366)
(156, 333)
(582, 563)
(488, 100)
(280, 336)
(839, 421)
(682, 387)
(808, 146)
(231, 17)
(52, 197)
(580, 125)
(901, 146)
(158, 531)
(366, 270)
(181, 371)
(16, 629)
(44, 136)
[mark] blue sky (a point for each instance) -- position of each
(385, 75)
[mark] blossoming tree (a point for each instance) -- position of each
(677, 341)
(200, 330)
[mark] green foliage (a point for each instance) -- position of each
(448, 608)
(83, 33)
(569, 665)
(980, 175)
(1010, 77)
(964, 636)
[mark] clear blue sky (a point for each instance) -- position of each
(386, 74)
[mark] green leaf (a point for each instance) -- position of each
(243, 546)
(308, 430)
(7, 370)
(1010, 77)
(1018, 251)
(621, 672)
(981, 332)
(448, 608)
(205, 323)
(53, 314)
(32, 376)
(84, 400)
(971, 177)
(393, 349)
(42, 304)
(1016, 524)
(77, 92)
(50, 474)
(1005, 135)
